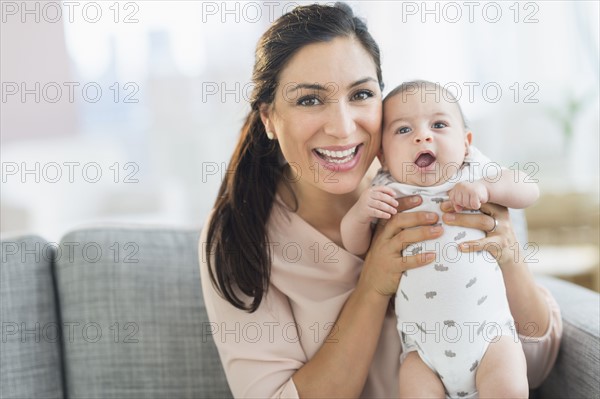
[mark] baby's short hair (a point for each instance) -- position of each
(414, 86)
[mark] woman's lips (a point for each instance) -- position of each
(338, 158)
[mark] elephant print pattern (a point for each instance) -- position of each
(454, 301)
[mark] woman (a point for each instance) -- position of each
(297, 315)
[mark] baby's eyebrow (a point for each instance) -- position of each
(400, 119)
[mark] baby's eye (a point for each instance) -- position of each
(403, 130)
(439, 125)
(308, 101)
(362, 95)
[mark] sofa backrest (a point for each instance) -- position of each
(107, 313)
(134, 320)
(30, 346)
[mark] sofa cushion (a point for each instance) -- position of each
(30, 361)
(134, 316)
(577, 370)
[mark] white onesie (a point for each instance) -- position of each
(450, 310)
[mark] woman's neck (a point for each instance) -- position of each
(322, 210)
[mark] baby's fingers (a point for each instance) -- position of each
(380, 214)
(377, 208)
(474, 202)
(384, 194)
(381, 199)
(455, 197)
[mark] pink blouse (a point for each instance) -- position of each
(311, 279)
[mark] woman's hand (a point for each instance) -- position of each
(384, 262)
(499, 242)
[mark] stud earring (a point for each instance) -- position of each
(270, 135)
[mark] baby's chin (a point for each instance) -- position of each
(430, 179)
(431, 175)
(426, 181)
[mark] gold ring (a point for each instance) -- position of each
(495, 225)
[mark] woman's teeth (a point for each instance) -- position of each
(337, 156)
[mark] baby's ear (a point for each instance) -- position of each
(468, 139)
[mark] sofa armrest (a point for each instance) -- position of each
(31, 364)
(576, 373)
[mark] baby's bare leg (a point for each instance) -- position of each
(503, 371)
(417, 380)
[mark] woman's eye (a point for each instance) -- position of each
(403, 130)
(439, 125)
(362, 95)
(309, 101)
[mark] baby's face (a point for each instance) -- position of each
(424, 140)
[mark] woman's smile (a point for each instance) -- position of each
(339, 158)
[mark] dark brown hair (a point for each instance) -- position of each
(237, 236)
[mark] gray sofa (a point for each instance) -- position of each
(118, 313)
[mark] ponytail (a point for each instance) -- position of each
(237, 236)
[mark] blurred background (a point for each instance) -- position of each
(127, 111)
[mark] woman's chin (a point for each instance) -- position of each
(328, 179)
(341, 184)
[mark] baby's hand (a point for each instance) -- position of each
(468, 195)
(377, 202)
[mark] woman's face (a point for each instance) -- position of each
(327, 115)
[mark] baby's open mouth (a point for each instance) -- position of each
(425, 159)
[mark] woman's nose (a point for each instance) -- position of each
(340, 121)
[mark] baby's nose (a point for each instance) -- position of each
(423, 137)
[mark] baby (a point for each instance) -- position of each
(458, 336)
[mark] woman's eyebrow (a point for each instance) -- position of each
(361, 81)
(328, 86)
(311, 86)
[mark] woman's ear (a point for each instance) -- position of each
(263, 110)
(265, 116)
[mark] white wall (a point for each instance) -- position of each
(33, 53)
(166, 140)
